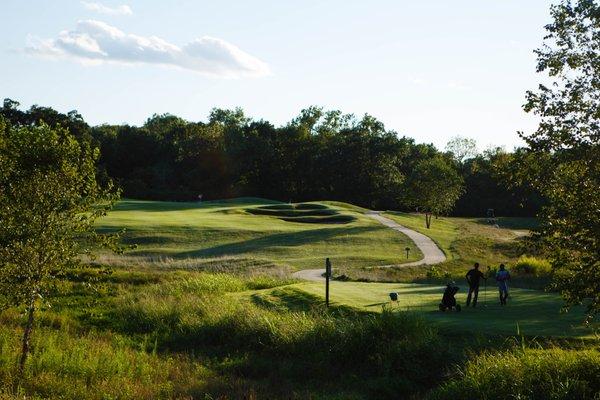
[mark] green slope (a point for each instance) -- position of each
(533, 312)
(227, 229)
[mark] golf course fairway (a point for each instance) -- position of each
(194, 232)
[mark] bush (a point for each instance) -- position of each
(438, 274)
(532, 266)
(529, 374)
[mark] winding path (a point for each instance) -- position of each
(431, 252)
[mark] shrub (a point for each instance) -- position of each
(533, 266)
(530, 374)
(438, 274)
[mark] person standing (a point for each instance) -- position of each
(502, 277)
(474, 276)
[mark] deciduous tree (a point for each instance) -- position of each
(433, 187)
(568, 144)
(49, 199)
(462, 148)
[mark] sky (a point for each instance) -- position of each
(430, 70)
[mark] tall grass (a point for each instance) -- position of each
(529, 374)
(95, 366)
(75, 358)
(391, 351)
(187, 334)
(246, 266)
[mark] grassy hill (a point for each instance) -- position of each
(531, 312)
(464, 241)
(258, 230)
(201, 310)
(255, 234)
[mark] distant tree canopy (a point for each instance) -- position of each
(462, 148)
(318, 155)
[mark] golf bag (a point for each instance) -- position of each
(448, 299)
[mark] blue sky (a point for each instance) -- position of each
(428, 69)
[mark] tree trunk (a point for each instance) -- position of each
(427, 220)
(27, 335)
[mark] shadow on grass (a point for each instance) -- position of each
(509, 249)
(275, 240)
(512, 223)
(289, 298)
(294, 299)
(377, 304)
(164, 206)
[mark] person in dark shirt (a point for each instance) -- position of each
(473, 277)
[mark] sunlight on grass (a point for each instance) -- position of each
(216, 229)
(537, 313)
(443, 231)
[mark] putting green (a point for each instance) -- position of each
(535, 313)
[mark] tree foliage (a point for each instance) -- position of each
(319, 154)
(462, 148)
(566, 148)
(499, 180)
(434, 186)
(49, 199)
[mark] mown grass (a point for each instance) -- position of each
(464, 242)
(193, 231)
(443, 231)
(307, 213)
(534, 313)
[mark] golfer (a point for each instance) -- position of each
(502, 277)
(473, 277)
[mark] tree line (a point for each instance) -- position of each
(54, 182)
(318, 155)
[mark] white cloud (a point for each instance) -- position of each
(102, 9)
(96, 42)
(418, 81)
(457, 85)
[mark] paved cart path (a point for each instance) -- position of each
(432, 254)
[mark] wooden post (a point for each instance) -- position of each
(327, 276)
